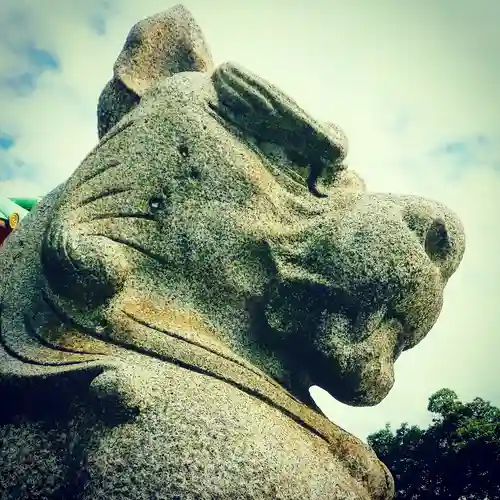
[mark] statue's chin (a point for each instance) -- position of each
(364, 395)
(358, 389)
(355, 373)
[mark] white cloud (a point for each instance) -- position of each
(401, 78)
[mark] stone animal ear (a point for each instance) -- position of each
(156, 48)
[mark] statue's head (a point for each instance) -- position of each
(215, 209)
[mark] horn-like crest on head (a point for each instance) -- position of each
(157, 47)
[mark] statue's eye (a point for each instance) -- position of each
(156, 204)
(184, 150)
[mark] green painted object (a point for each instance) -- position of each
(8, 207)
(14, 209)
(26, 203)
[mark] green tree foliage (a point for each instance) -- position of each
(456, 457)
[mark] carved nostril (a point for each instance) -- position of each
(437, 241)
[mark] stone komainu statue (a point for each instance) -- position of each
(165, 310)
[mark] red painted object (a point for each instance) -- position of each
(12, 210)
(5, 230)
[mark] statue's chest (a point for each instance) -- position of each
(194, 437)
(198, 437)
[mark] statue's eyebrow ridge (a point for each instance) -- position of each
(260, 110)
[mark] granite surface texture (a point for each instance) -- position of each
(165, 310)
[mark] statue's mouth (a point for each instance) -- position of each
(337, 341)
(327, 310)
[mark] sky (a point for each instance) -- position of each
(413, 84)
